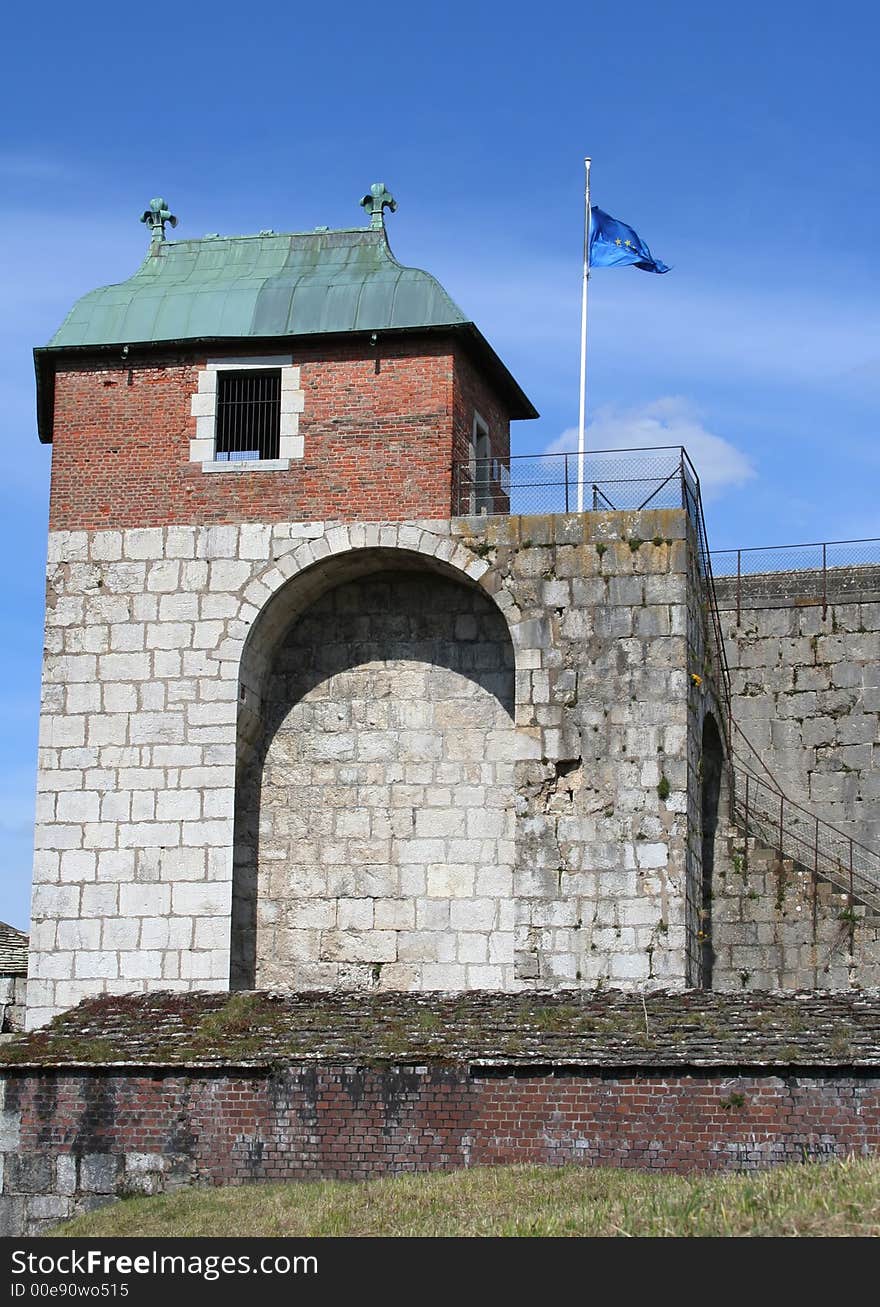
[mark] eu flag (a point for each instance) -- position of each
(613, 243)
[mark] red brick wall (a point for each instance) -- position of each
(230, 1127)
(378, 427)
(471, 395)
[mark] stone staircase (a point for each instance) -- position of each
(758, 805)
(761, 810)
(779, 924)
(795, 900)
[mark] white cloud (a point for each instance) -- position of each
(671, 420)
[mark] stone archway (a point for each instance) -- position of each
(374, 806)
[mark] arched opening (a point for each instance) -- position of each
(374, 801)
(712, 772)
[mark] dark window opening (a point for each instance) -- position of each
(713, 767)
(483, 502)
(248, 415)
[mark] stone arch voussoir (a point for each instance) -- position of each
(351, 539)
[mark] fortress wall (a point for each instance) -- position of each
(145, 632)
(806, 687)
(775, 927)
(804, 654)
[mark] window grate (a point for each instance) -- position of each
(248, 415)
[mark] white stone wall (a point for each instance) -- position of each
(806, 692)
(143, 676)
(376, 825)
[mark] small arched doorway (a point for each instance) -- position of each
(712, 768)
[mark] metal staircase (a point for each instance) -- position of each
(758, 805)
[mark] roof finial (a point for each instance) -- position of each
(377, 200)
(157, 215)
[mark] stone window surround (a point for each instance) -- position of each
(203, 407)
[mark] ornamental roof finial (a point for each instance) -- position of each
(374, 203)
(157, 215)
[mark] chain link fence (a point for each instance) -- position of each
(793, 575)
(796, 558)
(605, 480)
(609, 480)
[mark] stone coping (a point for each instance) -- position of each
(800, 588)
(610, 1029)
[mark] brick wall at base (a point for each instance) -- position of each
(75, 1139)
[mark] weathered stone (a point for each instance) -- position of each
(27, 1173)
(98, 1172)
(367, 805)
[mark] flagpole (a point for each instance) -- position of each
(583, 403)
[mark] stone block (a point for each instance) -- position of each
(450, 881)
(473, 915)
(99, 1173)
(444, 976)
(101, 964)
(48, 1208)
(355, 914)
(197, 899)
(356, 946)
(440, 823)
(124, 667)
(13, 1217)
(10, 1132)
(178, 805)
(27, 1173)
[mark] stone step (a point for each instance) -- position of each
(763, 857)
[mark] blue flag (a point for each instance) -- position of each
(613, 243)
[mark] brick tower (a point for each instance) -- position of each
(318, 712)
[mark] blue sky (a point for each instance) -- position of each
(740, 142)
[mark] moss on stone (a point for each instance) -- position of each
(612, 1029)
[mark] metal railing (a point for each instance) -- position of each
(636, 479)
(611, 480)
(694, 503)
(248, 415)
(653, 477)
(758, 803)
(764, 812)
(840, 569)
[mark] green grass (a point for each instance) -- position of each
(818, 1199)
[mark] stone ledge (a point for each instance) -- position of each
(246, 465)
(613, 1029)
(800, 588)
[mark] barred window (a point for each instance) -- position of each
(248, 415)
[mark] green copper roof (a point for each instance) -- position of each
(231, 288)
(259, 286)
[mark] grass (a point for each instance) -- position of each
(836, 1198)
